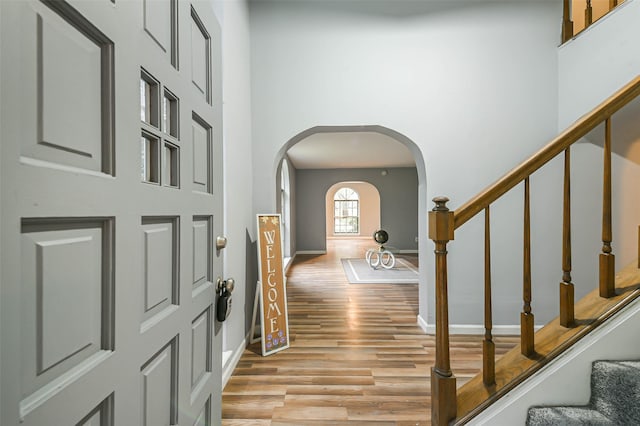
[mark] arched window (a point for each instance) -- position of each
(346, 212)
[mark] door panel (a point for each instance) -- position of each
(159, 269)
(62, 291)
(200, 51)
(201, 345)
(159, 23)
(110, 201)
(70, 67)
(159, 387)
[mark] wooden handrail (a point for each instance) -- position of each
(580, 128)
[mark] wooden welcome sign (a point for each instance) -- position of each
(272, 289)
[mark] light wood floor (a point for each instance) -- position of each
(357, 356)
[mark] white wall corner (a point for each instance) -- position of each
(423, 325)
(230, 362)
(288, 261)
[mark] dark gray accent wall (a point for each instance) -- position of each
(398, 204)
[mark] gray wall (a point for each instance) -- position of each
(239, 218)
(474, 84)
(398, 204)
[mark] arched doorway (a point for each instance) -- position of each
(419, 238)
(421, 241)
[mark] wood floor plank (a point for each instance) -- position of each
(338, 423)
(306, 413)
(247, 422)
(357, 355)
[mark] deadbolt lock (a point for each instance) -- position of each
(227, 285)
(223, 305)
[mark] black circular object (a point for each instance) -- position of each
(381, 236)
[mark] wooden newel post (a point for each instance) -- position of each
(443, 382)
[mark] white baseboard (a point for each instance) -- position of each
(356, 237)
(225, 357)
(423, 324)
(474, 329)
(233, 360)
(311, 252)
(288, 261)
(408, 251)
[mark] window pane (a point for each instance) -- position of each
(170, 114)
(149, 150)
(149, 99)
(170, 169)
(346, 218)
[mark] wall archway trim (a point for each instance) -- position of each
(423, 242)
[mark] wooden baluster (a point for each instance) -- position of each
(567, 23)
(638, 247)
(443, 382)
(588, 14)
(488, 346)
(607, 258)
(567, 318)
(526, 317)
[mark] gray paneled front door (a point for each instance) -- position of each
(111, 199)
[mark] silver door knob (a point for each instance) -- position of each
(221, 242)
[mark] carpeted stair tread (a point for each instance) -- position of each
(615, 390)
(569, 416)
(615, 399)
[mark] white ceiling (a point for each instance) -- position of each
(349, 150)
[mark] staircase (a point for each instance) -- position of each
(589, 72)
(613, 290)
(615, 390)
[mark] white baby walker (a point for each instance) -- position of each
(380, 256)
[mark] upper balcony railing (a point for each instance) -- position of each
(580, 14)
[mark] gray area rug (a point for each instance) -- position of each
(359, 272)
(615, 399)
